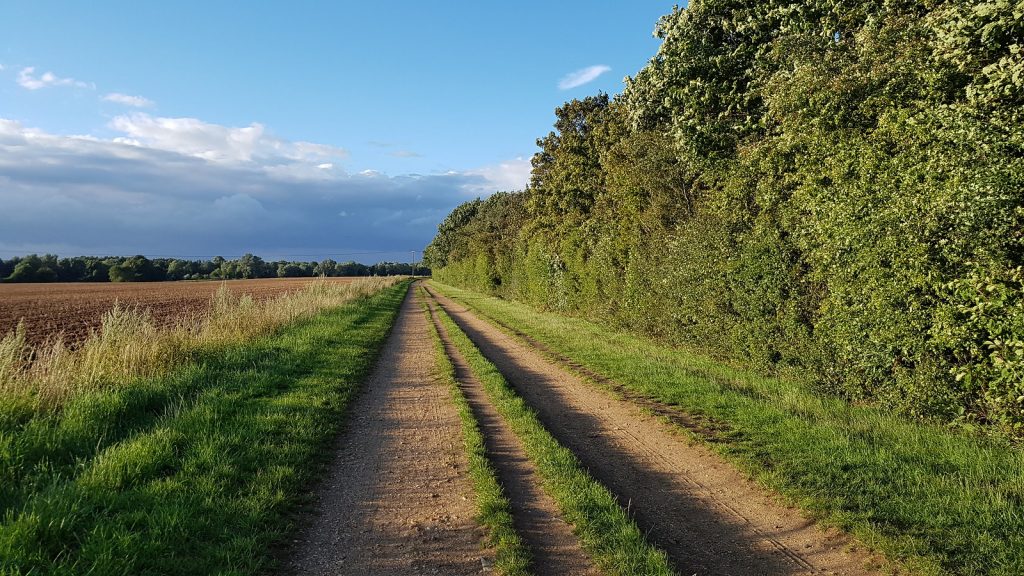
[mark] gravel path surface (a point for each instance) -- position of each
(397, 499)
(556, 550)
(707, 516)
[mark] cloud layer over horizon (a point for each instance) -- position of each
(187, 188)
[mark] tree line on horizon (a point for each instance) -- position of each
(50, 268)
(831, 188)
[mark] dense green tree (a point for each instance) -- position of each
(48, 268)
(178, 270)
(326, 267)
(24, 269)
(447, 243)
(250, 266)
(567, 175)
(135, 269)
(34, 268)
(831, 186)
(289, 270)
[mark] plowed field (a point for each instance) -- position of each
(75, 308)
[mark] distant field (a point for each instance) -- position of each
(75, 308)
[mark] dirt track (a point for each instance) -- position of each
(556, 550)
(397, 499)
(708, 517)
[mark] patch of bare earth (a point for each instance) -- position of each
(556, 550)
(397, 499)
(73, 309)
(706, 515)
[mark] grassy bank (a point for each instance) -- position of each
(941, 501)
(188, 472)
(129, 344)
(494, 512)
(604, 530)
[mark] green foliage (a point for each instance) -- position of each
(290, 270)
(448, 242)
(805, 185)
(33, 269)
(135, 269)
(567, 175)
(983, 40)
(48, 268)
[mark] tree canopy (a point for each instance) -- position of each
(832, 187)
(50, 268)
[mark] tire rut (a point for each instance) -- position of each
(555, 549)
(397, 498)
(707, 516)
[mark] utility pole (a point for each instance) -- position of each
(412, 260)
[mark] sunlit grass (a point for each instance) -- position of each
(130, 345)
(940, 500)
(194, 471)
(612, 540)
(494, 512)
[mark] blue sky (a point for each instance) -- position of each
(299, 129)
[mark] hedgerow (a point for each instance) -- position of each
(831, 188)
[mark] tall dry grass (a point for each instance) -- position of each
(129, 344)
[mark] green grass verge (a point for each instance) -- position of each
(494, 512)
(605, 531)
(192, 473)
(941, 501)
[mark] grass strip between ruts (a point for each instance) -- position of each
(512, 558)
(194, 472)
(612, 540)
(939, 501)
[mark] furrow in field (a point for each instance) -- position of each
(707, 516)
(73, 309)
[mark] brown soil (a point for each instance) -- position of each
(76, 308)
(556, 550)
(706, 515)
(397, 499)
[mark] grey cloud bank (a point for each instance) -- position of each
(180, 187)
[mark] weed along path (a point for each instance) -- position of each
(555, 549)
(707, 516)
(396, 499)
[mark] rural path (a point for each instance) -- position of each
(707, 516)
(397, 499)
(556, 550)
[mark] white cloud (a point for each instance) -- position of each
(505, 176)
(27, 79)
(581, 77)
(301, 150)
(217, 143)
(125, 99)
